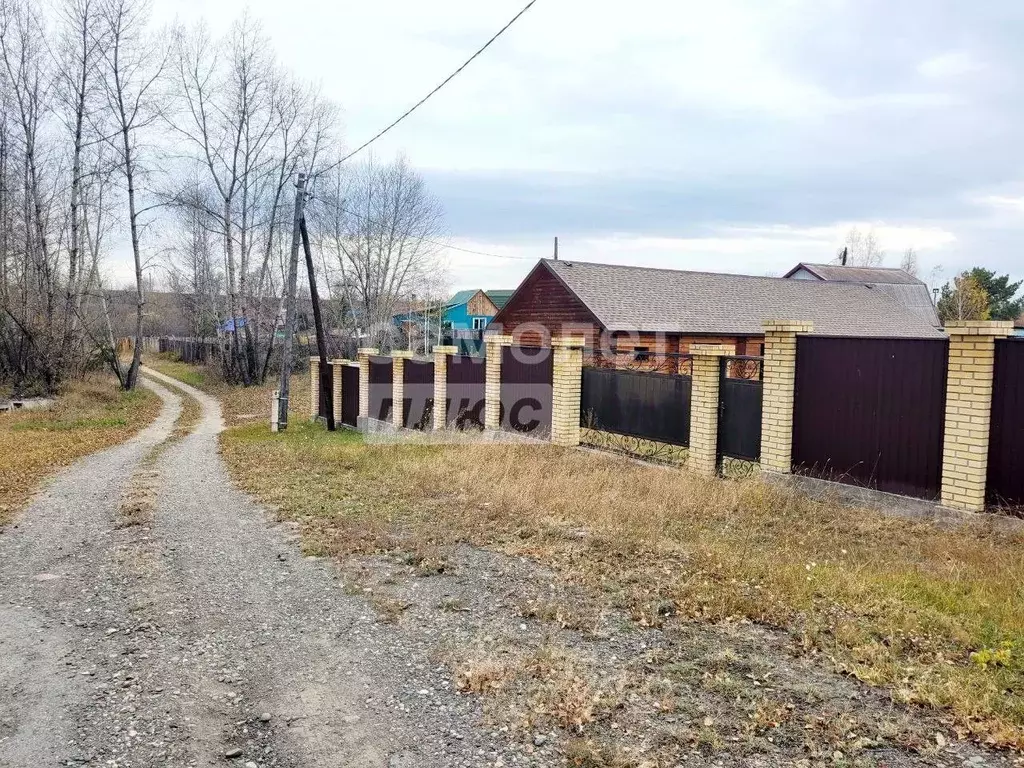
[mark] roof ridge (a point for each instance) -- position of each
(660, 269)
(865, 284)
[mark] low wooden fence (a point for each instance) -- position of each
(192, 351)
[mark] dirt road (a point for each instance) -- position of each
(201, 636)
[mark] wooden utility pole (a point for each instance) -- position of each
(290, 302)
(326, 394)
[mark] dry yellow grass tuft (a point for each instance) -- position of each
(91, 415)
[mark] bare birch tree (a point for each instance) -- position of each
(134, 65)
(382, 225)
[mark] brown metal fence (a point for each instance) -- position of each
(1005, 486)
(526, 390)
(326, 402)
(381, 370)
(417, 394)
(871, 412)
(349, 395)
(740, 398)
(649, 406)
(467, 387)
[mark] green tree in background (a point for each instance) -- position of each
(1001, 302)
(963, 299)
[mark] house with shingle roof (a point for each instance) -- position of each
(647, 311)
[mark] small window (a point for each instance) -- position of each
(641, 354)
(479, 323)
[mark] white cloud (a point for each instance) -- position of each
(950, 64)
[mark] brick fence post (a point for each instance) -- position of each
(441, 355)
(314, 387)
(566, 385)
(337, 366)
(492, 390)
(703, 458)
(972, 347)
(778, 376)
(398, 358)
(363, 355)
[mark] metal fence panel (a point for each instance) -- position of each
(467, 378)
(381, 371)
(325, 408)
(739, 418)
(1006, 438)
(526, 389)
(871, 412)
(653, 406)
(349, 395)
(417, 394)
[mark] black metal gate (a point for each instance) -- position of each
(739, 408)
(381, 370)
(417, 394)
(349, 394)
(871, 412)
(526, 389)
(1005, 486)
(467, 387)
(643, 404)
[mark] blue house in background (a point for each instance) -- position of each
(473, 309)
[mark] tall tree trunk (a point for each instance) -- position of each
(131, 379)
(236, 352)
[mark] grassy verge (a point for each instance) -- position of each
(936, 616)
(92, 414)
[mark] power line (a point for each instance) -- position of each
(443, 83)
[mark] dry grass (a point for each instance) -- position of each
(91, 415)
(895, 603)
(935, 615)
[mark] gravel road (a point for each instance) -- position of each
(201, 636)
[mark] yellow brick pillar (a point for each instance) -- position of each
(492, 390)
(567, 382)
(778, 375)
(441, 355)
(363, 355)
(398, 359)
(314, 387)
(337, 366)
(972, 347)
(703, 458)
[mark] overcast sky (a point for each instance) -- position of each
(726, 135)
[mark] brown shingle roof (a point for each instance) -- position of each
(837, 273)
(673, 301)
